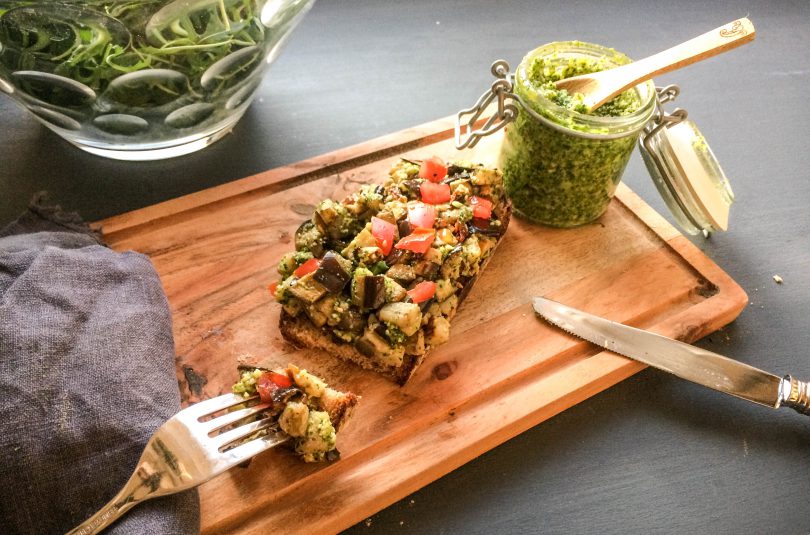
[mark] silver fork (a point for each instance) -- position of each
(184, 452)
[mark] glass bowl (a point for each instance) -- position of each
(140, 79)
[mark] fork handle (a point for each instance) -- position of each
(148, 481)
(112, 511)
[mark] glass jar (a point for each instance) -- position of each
(561, 167)
(142, 79)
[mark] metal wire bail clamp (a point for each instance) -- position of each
(507, 111)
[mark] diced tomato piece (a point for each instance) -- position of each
(282, 380)
(422, 291)
(434, 193)
(384, 233)
(269, 382)
(433, 169)
(265, 387)
(272, 287)
(418, 241)
(482, 208)
(421, 214)
(307, 267)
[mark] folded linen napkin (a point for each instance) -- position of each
(86, 376)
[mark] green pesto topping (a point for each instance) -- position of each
(246, 386)
(557, 176)
(394, 334)
(319, 437)
(545, 71)
(465, 214)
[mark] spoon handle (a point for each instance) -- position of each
(704, 46)
(602, 86)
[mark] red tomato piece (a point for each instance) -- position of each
(433, 169)
(281, 380)
(482, 208)
(434, 193)
(384, 233)
(265, 387)
(418, 241)
(307, 267)
(272, 287)
(421, 215)
(422, 291)
(269, 382)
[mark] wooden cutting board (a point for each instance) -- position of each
(502, 372)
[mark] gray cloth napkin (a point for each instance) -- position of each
(86, 376)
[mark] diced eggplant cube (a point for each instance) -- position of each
(373, 291)
(364, 238)
(406, 316)
(320, 310)
(307, 289)
(330, 218)
(309, 238)
(439, 331)
(333, 272)
(401, 272)
(351, 321)
(293, 420)
(426, 269)
(394, 291)
(404, 228)
(375, 346)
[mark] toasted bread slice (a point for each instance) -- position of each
(376, 279)
(303, 333)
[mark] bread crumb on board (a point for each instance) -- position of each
(777, 279)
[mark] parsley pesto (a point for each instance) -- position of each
(563, 169)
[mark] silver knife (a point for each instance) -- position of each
(686, 361)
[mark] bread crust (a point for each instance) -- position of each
(300, 331)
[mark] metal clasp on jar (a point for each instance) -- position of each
(507, 111)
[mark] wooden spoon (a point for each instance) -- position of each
(599, 87)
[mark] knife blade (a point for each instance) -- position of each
(683, 360)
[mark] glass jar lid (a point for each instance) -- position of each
(687, 174)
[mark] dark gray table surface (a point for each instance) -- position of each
(652, 454)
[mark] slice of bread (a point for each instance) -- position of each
(390, 326)
(303, 333)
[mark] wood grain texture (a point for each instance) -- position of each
(503, 371)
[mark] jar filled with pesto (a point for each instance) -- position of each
(561, 165)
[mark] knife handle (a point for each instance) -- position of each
(796, 394)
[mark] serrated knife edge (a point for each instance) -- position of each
(683, 360)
